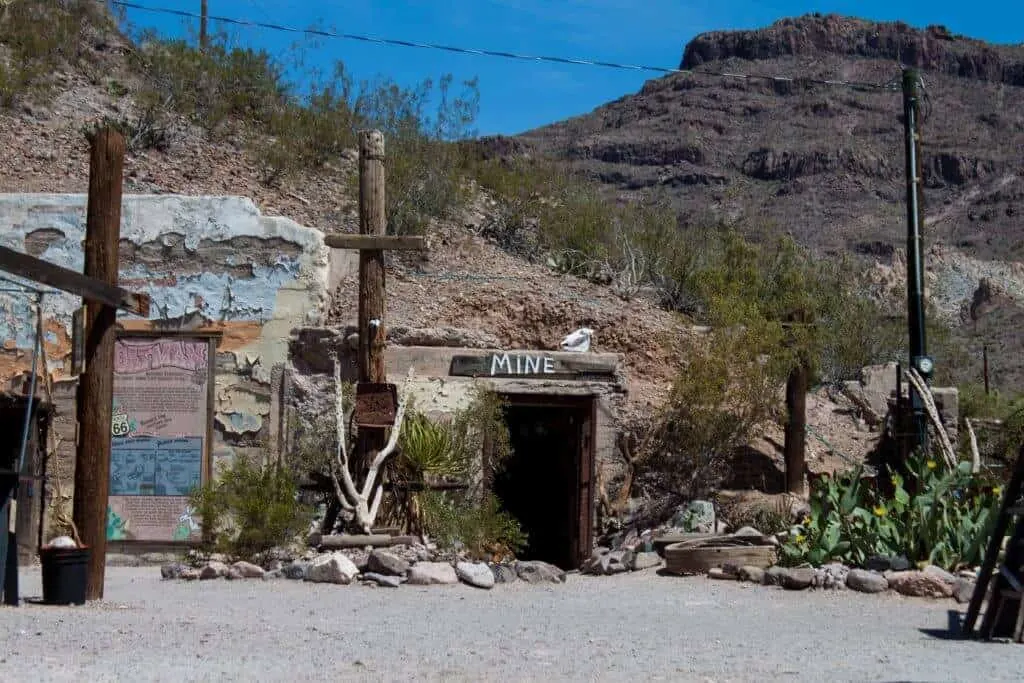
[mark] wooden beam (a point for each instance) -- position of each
(72, 282)
(96, 385)
(371, 242)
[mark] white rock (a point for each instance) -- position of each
(332, 568)
(429, 573)
(248, 570)
(475, 574)
(63, 542)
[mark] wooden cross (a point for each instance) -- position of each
(372, 242)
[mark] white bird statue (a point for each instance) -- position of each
(578, 341)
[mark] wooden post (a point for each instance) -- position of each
(372, 221)
(203, 14)
(95, 388)
(796, 427)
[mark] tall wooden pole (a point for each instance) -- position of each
(372, 221)
(203, 14)
(96, 384)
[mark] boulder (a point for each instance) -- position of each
(797, 578)
(333, 567)
(384, 562)
(273, 574)
(773, 575)
(963, 590)
(697, 516)
(248, 570)
(383, 580)
(940, 574)
(189, 574)
(172, 570)
(643, 561)
(831, 576)
(881, 563)
(233, 574)
(213, 570)
(719, 573)
(616, 562)
(475, 574)
(866, 581)
(296, 571)
(539, 572)
(432, 573)
(503, 573)
(751, 574)
(919, 584)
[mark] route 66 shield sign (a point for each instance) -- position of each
(120, 425)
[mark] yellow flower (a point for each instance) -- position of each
(932, 464)
(996, 490)
(880, 511)
(800, 538)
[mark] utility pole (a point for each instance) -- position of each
(95, 387)
(915, 268)
(203, 14)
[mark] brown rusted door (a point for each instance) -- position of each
(584, 528)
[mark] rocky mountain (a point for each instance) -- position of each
(825, 163)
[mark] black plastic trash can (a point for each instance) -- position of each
(65, 573)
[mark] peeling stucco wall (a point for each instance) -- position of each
(209, 263)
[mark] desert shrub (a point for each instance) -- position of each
(211, 87)
(249, 509)
(480, 528)
(939, 516)
(39, 36)
(721, 395)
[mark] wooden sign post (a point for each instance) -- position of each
(371, 242)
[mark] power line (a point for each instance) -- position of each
(891, 85)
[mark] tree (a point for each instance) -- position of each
(813, 323)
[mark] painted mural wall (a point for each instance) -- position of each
(209, 263)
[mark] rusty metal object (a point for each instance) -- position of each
(376, 405)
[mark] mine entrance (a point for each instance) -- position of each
(547, 483)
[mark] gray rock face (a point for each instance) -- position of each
(539, 572)
(865, 581)
(296, 571)
(643, 561)
(332, 568)
(432, 573)
(383, 562)
(475, 574)
(383, 580)
(248, 570)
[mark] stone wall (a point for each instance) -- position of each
(208, 263)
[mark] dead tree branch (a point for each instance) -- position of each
(915, 379)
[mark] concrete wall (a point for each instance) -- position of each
(210, 263)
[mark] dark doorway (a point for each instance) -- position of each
(547, 482)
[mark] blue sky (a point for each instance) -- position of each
(518, 96)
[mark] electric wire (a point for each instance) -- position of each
(395, 42)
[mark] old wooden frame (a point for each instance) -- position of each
(72, 282)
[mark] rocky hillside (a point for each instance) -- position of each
(826, 164)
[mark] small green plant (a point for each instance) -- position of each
(249, 509)
(941, 517)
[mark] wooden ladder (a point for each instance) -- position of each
(1007, 592)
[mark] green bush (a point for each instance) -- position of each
(480, 528)
(249, 509)
(941, 517)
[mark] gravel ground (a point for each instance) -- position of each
(640, 626)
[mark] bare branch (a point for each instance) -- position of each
(975, 456)
(933, 414)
